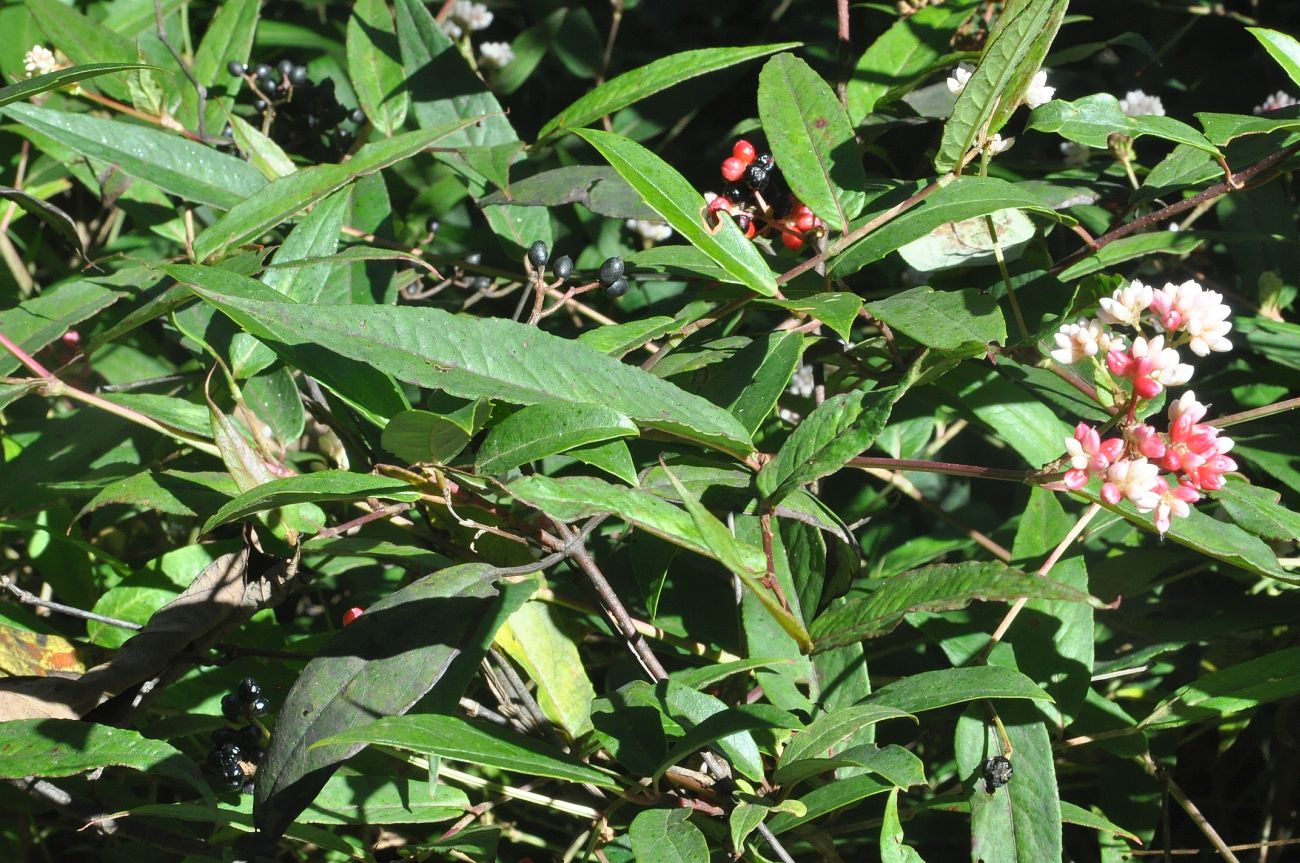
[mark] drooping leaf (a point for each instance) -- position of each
(682, 207)
(811, 139)
(1093, 119)
(426, 636)
(631, 87)
(939, 587)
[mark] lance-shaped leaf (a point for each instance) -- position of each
(831, 729)
(839, 429)
(1012, 55)
(933, 690)
(1230, 690)
(1282, 48)
(1093, 119)
(311, 488)
(631, 87)
(172, 163)
(1019, 822)
(812, 139)
(374, 66)
(282, 198)
(66, 747)
(491, 357)
(23, 90)
(462, 740)
(427, 636)
(546, 429)
(673, 198)
(941, 587)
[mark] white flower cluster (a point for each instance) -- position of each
(39, 61)
(655, 232)
(1280, 99)
(465, 17)
(1138, 104)
(495, 55)
(1037, 94)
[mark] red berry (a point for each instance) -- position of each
(72, 337)
(744, 151)
(720, 203)
(746, 224)
(732, 169)
(805, 222)
(352, 614)
(793, 242)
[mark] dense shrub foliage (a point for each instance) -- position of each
(652, 430)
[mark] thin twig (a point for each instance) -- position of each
(1207, 829)
(28, 598)
(1256, 413)
(949, 468)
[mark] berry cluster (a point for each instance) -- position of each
(298, 114)
(1130, 464)
(759, 200)
(236, 752)
(611, 277)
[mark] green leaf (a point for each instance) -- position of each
(831, 729)
(374, 65)
(667, 836)
(961, 323)
(1282, 48)
(30, 87)
(1021, 821)
(962, 198)
(940, 587)
(1012, 55)
(1072, 814)
(1030, 427)
(549, 655)
(375, 395)
(84, 41)
(933, 690)
(682, 207)
(836, 310)
(544, 429)
(284, 197)
(174, 492)
(431, 348)
(229, 37)
(829, 798)
(34, 323)
(682, 261)
(1093, 119)
(632, 87)
(1230, 690)
(262, 152)
(599, 188)
(811, 139)
(725, 723)
(460, 740)
(839, 429)
(614, 458)
(177, 166)
(429, 635)
(66, 747)
(892, 849)
(326, 485)
(443, 90)
(1258, 511)
(1207, 535)
(750, 382)
(738, 558)
(1223, 129)
(908, 49)
(423, 436)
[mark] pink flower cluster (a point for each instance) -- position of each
(1192, 454)
(1129, 466)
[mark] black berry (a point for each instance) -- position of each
(562, 267)
(474, 258)
(224, 734)
(262, 71)
(239, 70)
(234, 775)
(756, 177)
(997, 772)
(616, 288)
(357, 115)
(260, 105)
(248, 738)
(286, 68)
(734, 193)
(765, 161)
(538, 255)
(259, 706)
(249, 689)
(298, 75)
(611, 271)
(480, 283)
(232, 707)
